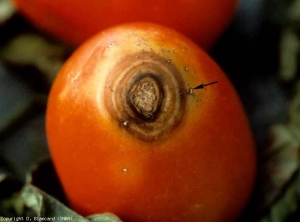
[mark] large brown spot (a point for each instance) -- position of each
(146, 96)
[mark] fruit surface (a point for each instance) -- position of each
(129, 136)
(75, 20)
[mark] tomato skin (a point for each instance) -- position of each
(75, 20)
(203, 169)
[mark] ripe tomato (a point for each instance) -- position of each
(129, 136)
(76, 20)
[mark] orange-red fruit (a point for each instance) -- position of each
(76, 20)
(129, 136)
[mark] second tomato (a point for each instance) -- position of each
(75, 20)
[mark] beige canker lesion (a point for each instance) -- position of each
(148, 99)
(144, 97)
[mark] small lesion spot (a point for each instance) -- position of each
(190, 92)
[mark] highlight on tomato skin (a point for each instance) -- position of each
(127, 134)
(74, 21)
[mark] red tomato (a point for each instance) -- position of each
(128, 134)
(75, 20)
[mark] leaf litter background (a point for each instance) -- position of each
(260, 52)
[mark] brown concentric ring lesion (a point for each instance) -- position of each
(148, 94)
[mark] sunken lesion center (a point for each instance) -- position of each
(145, 97)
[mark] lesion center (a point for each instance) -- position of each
(144, 97)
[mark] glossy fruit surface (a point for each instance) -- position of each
(129, 136)
(75, 20)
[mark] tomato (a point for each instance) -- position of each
(75, 20)
(128, 134)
